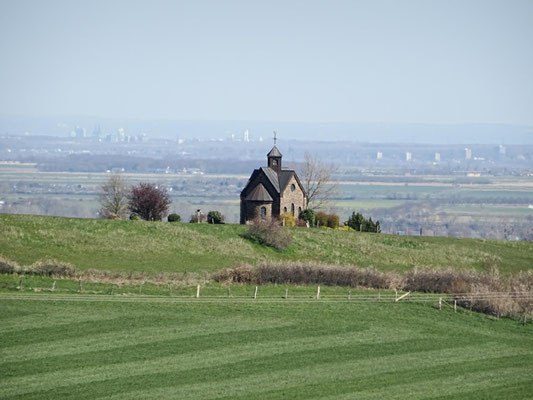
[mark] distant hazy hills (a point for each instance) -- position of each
(367, 132)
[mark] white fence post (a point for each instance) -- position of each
(440, 303)
(255, 293)
(318, 293)
(455, 306)
(197, 291)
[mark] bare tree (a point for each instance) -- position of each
(316, 177)
(149, 201)
(113, 198)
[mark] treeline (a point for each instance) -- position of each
(115, 162)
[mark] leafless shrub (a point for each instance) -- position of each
(269, 233)
(309, 273)
(488, 292)
(51, 268)
(123, 278)
(334, 275)
(521, 284)
(7, 266)
(444, 280)
(241, 274)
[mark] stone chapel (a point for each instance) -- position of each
(272, 191)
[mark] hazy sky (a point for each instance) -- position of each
(354, 61)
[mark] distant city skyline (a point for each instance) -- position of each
(377, 62)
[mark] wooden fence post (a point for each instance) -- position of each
(198, 291)
(54, 286)
(80, 287)
(318, 293)
(255, 293)
(455, 306)
(395, 294)
(440, 303)
(402, 296)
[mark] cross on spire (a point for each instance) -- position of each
(275, 137)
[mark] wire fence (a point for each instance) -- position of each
(247, 292)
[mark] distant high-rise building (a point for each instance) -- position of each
(246, 136)
(78, 132)
(437, 157)
(97, 132)
(408, 156)
(468, 153)
(121, 133)
(379, 155)
(502, 151)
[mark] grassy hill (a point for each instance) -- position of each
(154, 247)
(118, 348)
(133, 341)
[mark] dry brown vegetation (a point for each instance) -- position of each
(43, 267)
(269, 233)
(59, 269)
(485, 291)
(488, 292)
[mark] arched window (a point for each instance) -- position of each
(263, 212)
(293, 187)
(284, 209)
(292, 209)
(299, 210)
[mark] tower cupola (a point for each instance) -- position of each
(274, 157)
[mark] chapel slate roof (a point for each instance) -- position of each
(284, 178)
(278, 180)
(272, 177)
(274, 152)
(259, 194)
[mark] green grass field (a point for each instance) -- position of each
(117, 349)
(134, 340)
(153, 247)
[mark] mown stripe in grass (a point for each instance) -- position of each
(389, 384)
(156, 348)
(327, 385)
(248, 352)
